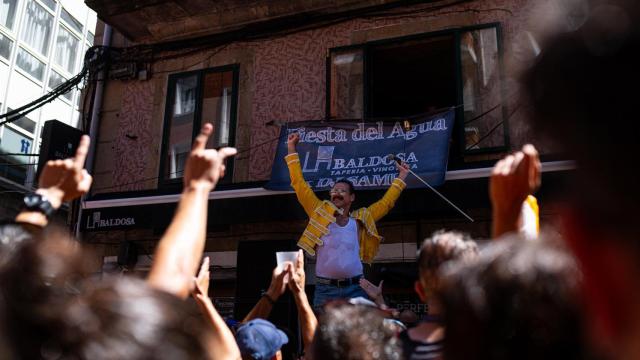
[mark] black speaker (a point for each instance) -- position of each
(59, 141)
(256, 260)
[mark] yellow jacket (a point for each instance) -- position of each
(321, 213)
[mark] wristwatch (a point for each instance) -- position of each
(39, 203)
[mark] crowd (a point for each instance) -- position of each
(568, 296)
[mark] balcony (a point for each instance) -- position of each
(152, 21)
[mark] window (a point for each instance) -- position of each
(71, 21)
(195, 98)
(8, 12)
(90, 38)
(30, 64)
(5, 46)
(481, 89)
(347, 70)
(23, 122)
(15, 166)
(36, 30)
(51, 4)
(410, 76)
(66, 49)
(55, 80)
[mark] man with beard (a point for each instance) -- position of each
(340, 238)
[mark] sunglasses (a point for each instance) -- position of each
(338, 191)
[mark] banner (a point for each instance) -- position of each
(360, 152)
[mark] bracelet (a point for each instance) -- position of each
(265, 295)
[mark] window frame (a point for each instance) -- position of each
(7, 61)
(163, 181)
(54, 53)
(52, 35)
(456, 32)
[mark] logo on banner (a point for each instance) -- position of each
(94, 221)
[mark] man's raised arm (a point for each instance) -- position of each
(381, 207)
(306, 197)
(180, 248)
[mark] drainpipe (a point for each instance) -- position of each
(94, 123)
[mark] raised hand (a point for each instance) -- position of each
(298, 277)
(512, 180)
(64, 180)
(292, 141)
(205, 166)
(278, 284)
(403, 170)
(515, 177)
(374, 292)
(202, 280)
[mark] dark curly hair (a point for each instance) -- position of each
(354, 332)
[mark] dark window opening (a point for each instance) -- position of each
(412, 78)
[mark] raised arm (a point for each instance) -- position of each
(60, 181)
(263, 308)
(180, 248)
(308, 320)
(374, 292)
(223, 341)
(513, 179)
(381, 207)
(306, 197)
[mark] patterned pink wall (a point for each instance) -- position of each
(288, 83)
(133, 156)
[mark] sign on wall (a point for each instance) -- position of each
(360, 152)
(130, 217)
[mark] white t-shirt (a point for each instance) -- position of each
(339, 256)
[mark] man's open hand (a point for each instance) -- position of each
(205, 166)
(64, 180)
(373, 291)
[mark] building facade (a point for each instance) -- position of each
(248, 67)
(42, 44)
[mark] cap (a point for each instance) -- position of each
(260, 339)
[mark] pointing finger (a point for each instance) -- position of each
(200, 141)
(81, 152)
(226, 152)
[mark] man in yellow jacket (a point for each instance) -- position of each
(340, 239)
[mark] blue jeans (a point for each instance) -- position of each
(325, 293)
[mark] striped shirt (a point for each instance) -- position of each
(420, 350)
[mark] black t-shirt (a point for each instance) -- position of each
(419, 350)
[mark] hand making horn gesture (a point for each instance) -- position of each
(205, 166)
